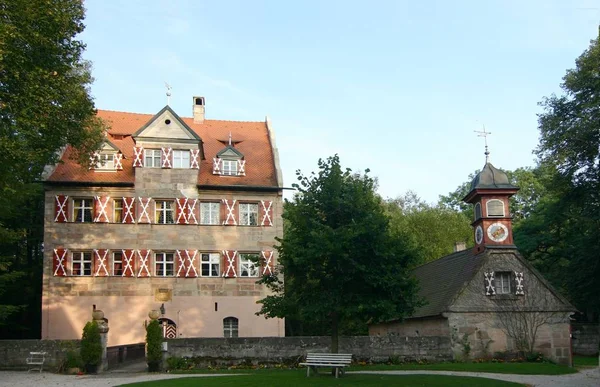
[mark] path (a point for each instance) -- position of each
(586, 378)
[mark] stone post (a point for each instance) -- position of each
(98, 316)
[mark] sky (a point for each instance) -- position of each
(399, 87)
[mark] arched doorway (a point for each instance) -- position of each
(169, 328)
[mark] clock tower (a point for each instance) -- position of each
(492, 223)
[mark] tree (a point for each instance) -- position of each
(154, 340)
(44, 105)
(91, 346)
(433, 229)
(570, 142)
(343, 261)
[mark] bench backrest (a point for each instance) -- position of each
(331, 358)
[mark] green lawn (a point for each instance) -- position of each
(499, 368)
(585, 361)
(294, 378)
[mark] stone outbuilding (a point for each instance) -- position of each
(489, 299)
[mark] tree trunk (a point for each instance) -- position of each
(334, 332)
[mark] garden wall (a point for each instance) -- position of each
(586, 338)
(14, 352)
(268, 350)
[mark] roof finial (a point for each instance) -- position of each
(168, 92)
(229, 138)
(484, 134)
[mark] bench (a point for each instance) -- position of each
(36, 359)
(337, 361)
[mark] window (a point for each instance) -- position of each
(181, 159)
(82, 263)
(152, 158)
(477, 211)
(229, 168)
(249, 214)
(164, 212)
(209, 213)
(82, 210)
(165, 264)
(502, 282)
(106, 162)
(249, 265)
(118, 210)
(210, 264)
(495, 207)
(117, 263)
(230, 327)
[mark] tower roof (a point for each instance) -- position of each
(491, 177)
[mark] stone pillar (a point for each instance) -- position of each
(98, 316)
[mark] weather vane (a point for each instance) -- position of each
(168, 92)
(484, 134)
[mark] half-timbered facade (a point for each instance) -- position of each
(175, 214)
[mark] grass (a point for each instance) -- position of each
(585, 361)
(298, 378)
(498, 368)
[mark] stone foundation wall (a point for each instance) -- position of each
(14, 352)
(586, 338)
(292, 349)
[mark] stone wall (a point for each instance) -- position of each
(14, 352)
(292, 349)
(586, 338)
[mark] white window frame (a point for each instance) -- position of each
(106, 162)
(231, 326)
(164, 264)
(212, 261)
(487, 208)
(502, 282)
(161, 208)
(181, 159)
(249, 267)
(229, 167)
(152, 158)
(83, 207)
(246, 210)
(84, 259)
(117, 219)
(115, 260)
(212, 212)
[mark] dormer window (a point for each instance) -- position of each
(229, 162)
(106, 162)
(495, 208)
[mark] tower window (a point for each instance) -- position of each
(502, 282)
(230, 327)
(495, 207)
(477, 211)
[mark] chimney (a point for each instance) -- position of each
(198, 110)
(459, 246)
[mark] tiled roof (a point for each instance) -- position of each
(250, 138)
(440, 280)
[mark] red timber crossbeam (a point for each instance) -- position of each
(267, 262)
(230, 257)
(101, 263)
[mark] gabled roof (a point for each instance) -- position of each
(228, 150)
(441, 280)
(252, 140)
(177, 118)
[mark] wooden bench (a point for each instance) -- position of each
(36, 359)
(337, 361)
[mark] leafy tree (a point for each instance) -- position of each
(343, 259)
(433, 230)
(570, 215)
(44, 105)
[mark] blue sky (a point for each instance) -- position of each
(395, 86)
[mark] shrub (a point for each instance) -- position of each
(91, 347)
(153, 346)
(72, 360)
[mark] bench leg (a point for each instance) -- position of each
(307, 371)
(337, 370)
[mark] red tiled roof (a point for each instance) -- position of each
(251, 138)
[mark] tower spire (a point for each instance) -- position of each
(483, 133)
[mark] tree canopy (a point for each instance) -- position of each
(45, 104)
(339, 256)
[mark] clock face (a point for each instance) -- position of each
(478, 234)
(497, 232)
